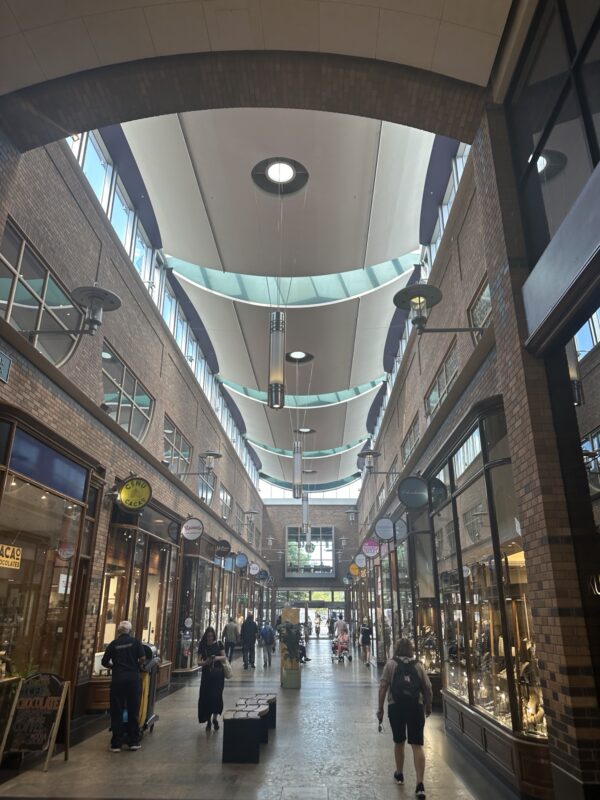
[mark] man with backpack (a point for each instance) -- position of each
(409, 697)
(267, 640)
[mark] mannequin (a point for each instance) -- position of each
(533, 710)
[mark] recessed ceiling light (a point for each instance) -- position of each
(309, 471)
(280, 172)
(304, 430)
(106, 356)
(298, 357)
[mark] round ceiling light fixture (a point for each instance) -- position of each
(304, 430)
(298, 357)
(309, 471)
(280, 175)
(280, 172)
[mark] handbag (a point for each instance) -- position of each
(227, 671)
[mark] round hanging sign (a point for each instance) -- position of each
(360, 560)
(65, 550)
(192, 529)
(222, 549)
(263, 575)
(370, 548)
(384, 529)
(412, 492)
(346, 581)
(188, 622)
(439, 492)
(134, 493)
(173, 530)
(353, 569)
(241, 560)
(253, 569)
(310, 548)
(401, 530)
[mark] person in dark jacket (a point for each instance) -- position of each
(249, 633)
(124, 656)
(211, 654)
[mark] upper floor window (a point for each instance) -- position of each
(392, 475)
(226, 502)
(410, 440)
(126, 399)
(122, 215)
(588, 336)
(381, 497)
(480, 310)
(314, 558)
(177, 452)
(32, 299)
(97, 167)
(141, 256)
(442, 382)
(206, 482)
(169, 306)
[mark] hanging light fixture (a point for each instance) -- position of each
(276, 397)
(297, 471)
(306, 529)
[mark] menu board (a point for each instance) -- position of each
(37, 714)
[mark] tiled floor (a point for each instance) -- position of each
(326, 747)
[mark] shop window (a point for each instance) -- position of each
(591, 459)
(177, 451)
(410, 440)
(206, 482)
(519, 621)
(42, 463)
(97, 168)
(40, 532)
(496, 437)
(467, 460)
(126, 399)
(317, 560)
(425, 603)
(226, 500)
(32, 299)
(480, 310)
(405, 627)
(442, 383)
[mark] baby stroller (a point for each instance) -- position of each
(340, 648)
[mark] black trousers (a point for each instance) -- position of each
(125, 693)
(229, 647)
(249, 651)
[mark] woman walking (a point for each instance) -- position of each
(366, 634)
(211, 655)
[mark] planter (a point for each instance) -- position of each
(290, 678)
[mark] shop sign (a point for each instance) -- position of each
(384, 529)
(10, 556)
(222, 549)
(412, 492)
(253, 569)
(5, 363)
(192, 529)
(353, 569)
(134, 493)
(370, 548)
(347, 580)
(361, 560)
(263, 575)
(241, 560)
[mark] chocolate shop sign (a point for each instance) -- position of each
(10, 556)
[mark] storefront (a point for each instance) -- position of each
(139, 584)
(48, 507)
(492, 694)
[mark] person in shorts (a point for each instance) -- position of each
(409, 697)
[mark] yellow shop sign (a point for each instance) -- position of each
(134, 493)
(10, 556)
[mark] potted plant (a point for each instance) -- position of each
(289, 636)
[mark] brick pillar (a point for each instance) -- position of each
(555, 593)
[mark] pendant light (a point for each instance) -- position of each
(297, 470)
(276, 396)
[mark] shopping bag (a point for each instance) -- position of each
(228, 672)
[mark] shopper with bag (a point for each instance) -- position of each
(409, 697)
(267, 640)
(211, 657)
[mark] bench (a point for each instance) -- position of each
(264, 698)
(262, 709)
(241, 737)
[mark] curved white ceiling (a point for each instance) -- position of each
(360, 207)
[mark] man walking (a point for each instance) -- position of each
(267, 640)
(409, 697)
(230, 637)
(249, 633)
(124, 656)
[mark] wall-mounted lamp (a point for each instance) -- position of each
(209, 456)
(418, 300)
(94, 301)
(351, 512)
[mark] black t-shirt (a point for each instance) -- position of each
(123, 655)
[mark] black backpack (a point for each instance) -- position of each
(406, 683)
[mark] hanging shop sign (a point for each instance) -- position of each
(370, 548)
(412, 492)
(253, 569)
(360, 560)
(173, 531)
(222, 549)
(134, 493)
(353, 569)
(241, 561)
(347, 580)
(384, 529)
(192, 529)
(10, 556)
(263, 575)
(5, 363)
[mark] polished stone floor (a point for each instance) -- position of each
(326, 747)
